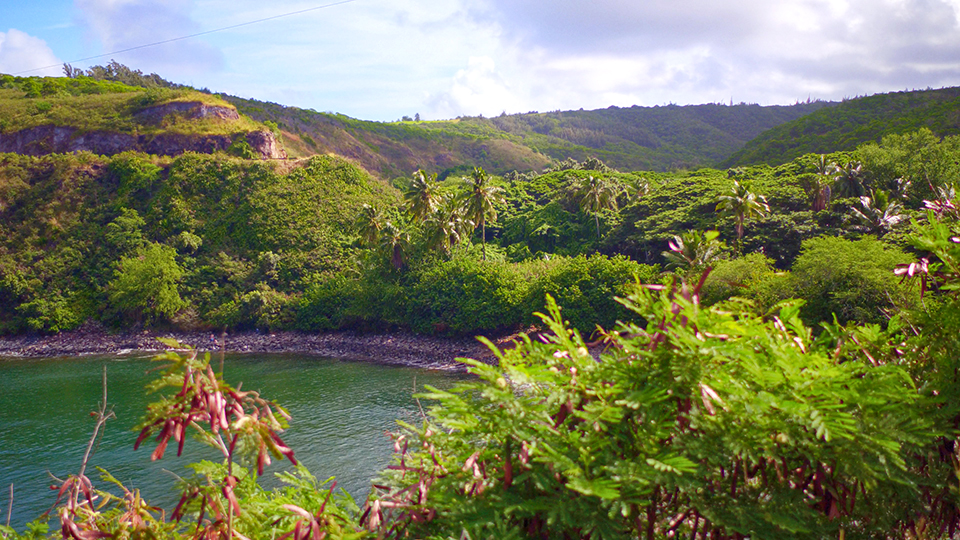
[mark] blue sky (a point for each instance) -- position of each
(382, 59)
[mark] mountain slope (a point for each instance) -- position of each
(45, 115)
(854, 122)
(635, 138)
(232, 238)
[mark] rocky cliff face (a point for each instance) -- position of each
(52, 139)
(187, 109)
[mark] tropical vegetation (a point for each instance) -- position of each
(766, 351)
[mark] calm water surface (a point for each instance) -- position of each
(341, 411)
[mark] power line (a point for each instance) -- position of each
(231, 27)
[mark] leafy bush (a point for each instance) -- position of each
(324, 304)
(242, 149)
(52, 313)
(701, 420)
(853, 280)
(466, 295)
(135, 173)
(586, 287)
(124, 235)
(146, 285)
(744, 276)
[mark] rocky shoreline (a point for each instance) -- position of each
(397, 349)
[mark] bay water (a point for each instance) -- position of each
(341, 412)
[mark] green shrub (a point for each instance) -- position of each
(466, 295)
(585, 287)
(743, 277)
(146, 286)
(134, 173)
(701, 420)
(265, 308)
(377, 304)
(124, 234)
(853, 280)
(272, 126)
(242, 149)
(324, 304)
(50, 314)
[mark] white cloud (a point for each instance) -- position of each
(373, 59)
(21, 52)
(478, 89)
(125, 24)
(696, 51)
(381, 59)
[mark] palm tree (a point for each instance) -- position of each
(369, 224)
(692, 251)
(878, 213)
(849, 180)
(394, 242)
(637, 188)
(446, 226)
(820, 187)
(743, 204)
(596, 194)
(421, 196)
(820, 191)
(478, 203)
(824, 167)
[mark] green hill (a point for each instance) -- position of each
(854, 122)
(44, 115)
(634, 138)
(113, 238)
(110, 109)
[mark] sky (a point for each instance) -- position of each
(384, 59)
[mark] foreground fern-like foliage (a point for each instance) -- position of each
(697, 422)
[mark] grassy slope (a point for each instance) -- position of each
(103, 106)
(258, 228)
(394, 149)
(636, 138)
(852, 123)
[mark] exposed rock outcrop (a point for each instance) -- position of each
(51, 139)
(266, 144)
(42, 140)
(192, 110)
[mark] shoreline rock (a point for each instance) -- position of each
(394, 349)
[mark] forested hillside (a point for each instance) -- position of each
(852, 123)
(45, 115)
(225, 240)
(197, 239)
(636, 138)
(778, 342)
(213, 241)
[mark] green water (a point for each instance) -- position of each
(341, 411)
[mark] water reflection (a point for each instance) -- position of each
(341, 411)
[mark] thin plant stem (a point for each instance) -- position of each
(230, 475)
(223, 348)
(10, 506)
(422, 414)
(102, 416)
